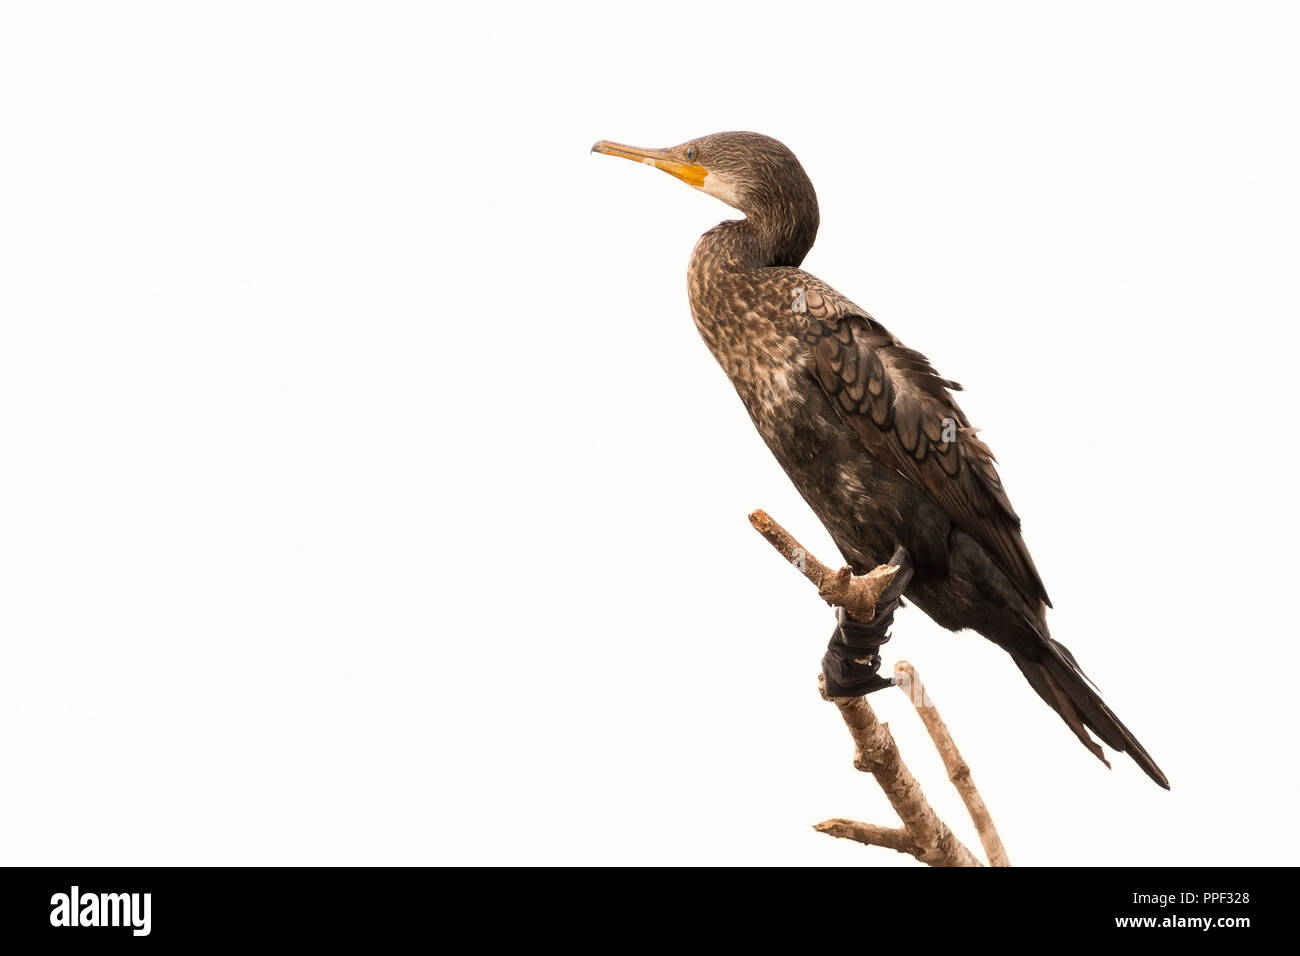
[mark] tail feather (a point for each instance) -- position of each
(1057, 678)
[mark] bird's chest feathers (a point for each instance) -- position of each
(754, 339)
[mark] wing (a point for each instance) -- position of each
(898, 404)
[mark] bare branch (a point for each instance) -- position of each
(877, 754)
(857, 594)
(923, 834)
(891, 838)
(958, 770)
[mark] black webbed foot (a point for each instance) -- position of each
(852, 659)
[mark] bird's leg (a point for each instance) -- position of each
(852, 658)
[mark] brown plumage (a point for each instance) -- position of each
(903, 412)
(864, 426)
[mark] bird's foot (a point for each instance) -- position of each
(852, 661)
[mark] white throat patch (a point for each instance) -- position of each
(720, 190)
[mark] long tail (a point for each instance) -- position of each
(1055, 674)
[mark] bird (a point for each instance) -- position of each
(865, 427)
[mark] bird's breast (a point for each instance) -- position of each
(753, 333)
(766, 364)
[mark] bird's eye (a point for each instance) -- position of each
(691, 154)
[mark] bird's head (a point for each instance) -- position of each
(754, 173)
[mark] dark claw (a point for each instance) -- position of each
(853, 655)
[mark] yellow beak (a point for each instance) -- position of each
(692, 174)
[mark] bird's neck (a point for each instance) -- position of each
(776, 237)
(726, 281)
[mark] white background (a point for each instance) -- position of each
(367, 496)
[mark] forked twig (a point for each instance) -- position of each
(923, 834)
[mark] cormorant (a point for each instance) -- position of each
(867, 430)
